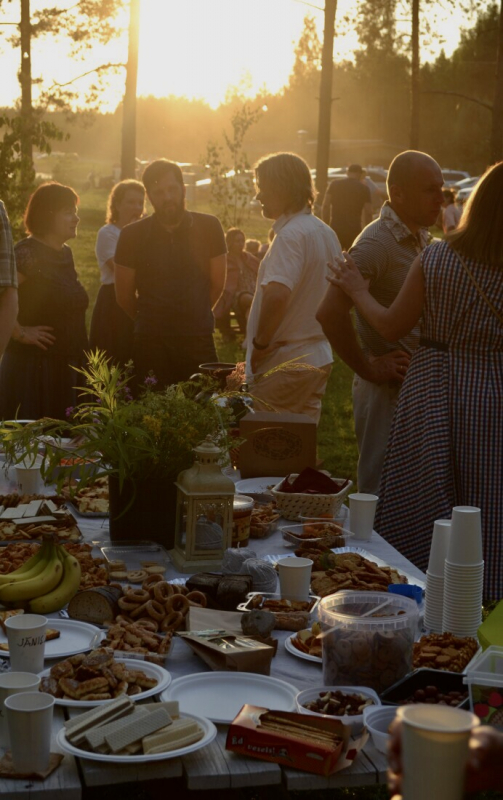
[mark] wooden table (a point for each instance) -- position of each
(212, 767)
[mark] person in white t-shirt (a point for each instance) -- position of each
(451, 213)
(111, 328)
(291, 283)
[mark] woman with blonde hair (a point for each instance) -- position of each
(446, 442)
(111, 328)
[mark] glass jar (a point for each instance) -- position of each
(241, 520)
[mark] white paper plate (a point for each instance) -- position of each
(296, 652)
(221, 695)
(209, 734)
(76, 637)
(162, 676)
(256, 485)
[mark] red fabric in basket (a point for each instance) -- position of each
(312, 481)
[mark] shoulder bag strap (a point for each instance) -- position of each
(479, 289)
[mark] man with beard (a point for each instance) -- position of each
(169, 273)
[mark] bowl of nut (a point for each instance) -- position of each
(346, 703)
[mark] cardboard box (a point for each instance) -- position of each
(223, 650)
(298, 750)
(276, 444)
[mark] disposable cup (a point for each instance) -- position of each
(362, 509)
(439, 546)
(13, 683)
(434, 751)
(464, 568)
(26, 638)
(295, 578)
(29, 480)
(465, 543)
(29, 720)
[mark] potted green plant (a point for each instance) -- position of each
(141, 443)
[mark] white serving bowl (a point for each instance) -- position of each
(377, 721)
(355, 722)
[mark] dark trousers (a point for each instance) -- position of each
(171, 359)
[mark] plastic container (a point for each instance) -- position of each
(444, 681)
(377, 720)
(355, 721)
(241, 520)
(373, 651)
(484, 677)
(296, 534)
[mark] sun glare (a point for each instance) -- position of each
(199, 48)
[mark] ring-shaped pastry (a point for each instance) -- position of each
(173, 621)
(162, 591)
(177, 602)
(155, 610)
(197, 599)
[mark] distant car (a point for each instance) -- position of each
(453, 176)
(464, 188)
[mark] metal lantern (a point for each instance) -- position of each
(203, 528)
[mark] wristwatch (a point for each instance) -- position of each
(258, 346)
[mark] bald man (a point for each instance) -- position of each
(384, 253)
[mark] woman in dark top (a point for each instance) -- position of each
(49, 338)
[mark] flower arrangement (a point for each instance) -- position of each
(152, 434)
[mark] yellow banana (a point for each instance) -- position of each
(33, 566)
(66, 589)
(42, 583)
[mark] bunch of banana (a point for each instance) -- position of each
(46, 582)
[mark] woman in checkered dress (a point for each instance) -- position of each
(446, 442)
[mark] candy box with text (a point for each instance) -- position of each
(314, 744)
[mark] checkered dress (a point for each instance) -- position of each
(446, 442)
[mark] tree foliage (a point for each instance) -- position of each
(229, 169)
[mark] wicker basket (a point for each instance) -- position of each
(313, 505)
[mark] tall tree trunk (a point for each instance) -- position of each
(26, 99)
(415, 111)
(325, 108)
(497, 120)
(128, 157)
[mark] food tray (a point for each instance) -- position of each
(276, 596)
(421, 678)
(89, 514)
(291, 533)
(134, 552)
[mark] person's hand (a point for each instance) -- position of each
(347, 276)
(38, 335)
(390, 367)
(483, 770)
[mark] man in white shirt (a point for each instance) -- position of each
(291, 283)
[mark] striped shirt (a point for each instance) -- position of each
(8, 274)
(384, 252)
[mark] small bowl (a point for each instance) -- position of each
(377, 721)
(354, 722)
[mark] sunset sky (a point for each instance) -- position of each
(194, 48)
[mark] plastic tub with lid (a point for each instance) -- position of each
(484, 677)
(367, 638)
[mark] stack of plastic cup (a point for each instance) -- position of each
(434, 600)
(464, 573)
